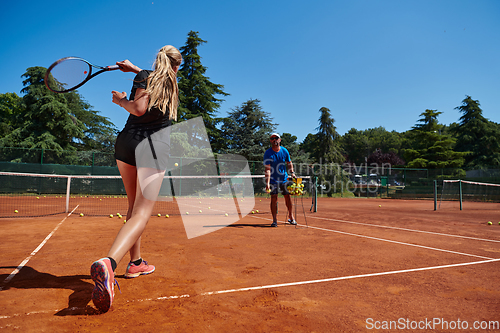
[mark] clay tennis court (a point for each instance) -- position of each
(355, 267)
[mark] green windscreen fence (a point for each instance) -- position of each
(363, 181)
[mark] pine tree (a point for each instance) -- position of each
(328, 154)
(246, 130)
(328, 139)
(197, 95)
(477, 136)
(430, 147)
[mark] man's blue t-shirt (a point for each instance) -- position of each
(277, 161)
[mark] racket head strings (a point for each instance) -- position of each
(67, 74)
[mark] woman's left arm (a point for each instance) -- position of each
(137, 107)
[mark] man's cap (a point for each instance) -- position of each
(275, 134)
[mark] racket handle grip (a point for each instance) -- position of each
(112, 68)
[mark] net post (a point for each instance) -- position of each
(435, 194)
(68, 191)
(460, 192)
(315, 194)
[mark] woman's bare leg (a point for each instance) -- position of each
(129, 176)
(140, 208)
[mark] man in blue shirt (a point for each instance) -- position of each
(277, 162)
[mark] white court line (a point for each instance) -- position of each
(490, 260)
(28, 258)
(403, 243)
(391, 241)
(290, 284)
(405, 229)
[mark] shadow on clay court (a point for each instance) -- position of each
(29, 278)
(243, 225)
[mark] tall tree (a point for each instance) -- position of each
(310, 145)
(328, 154)
(197, 94)
(297, 155)
(10, 109)
(430, 147)
(246, 130)
(55, 121)
(357, 146)
(477, 135)
(328, 139)
(383, 140)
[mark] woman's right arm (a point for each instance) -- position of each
(127, 66)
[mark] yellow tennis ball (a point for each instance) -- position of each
(16, 211)
(176, 164)
(110, 215)
(81, 214)
(159, 215)
(253, 212)
(380, 205)
(257, 211)
(124, 221)
(226, 214)
(490, 223)
(166, 215)
(187, 213)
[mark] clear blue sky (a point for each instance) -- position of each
(372, 63)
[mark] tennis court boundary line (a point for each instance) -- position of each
(403, 243)
(341, 278)
(280, 285)
(390, 241)
(35, 251)
(406, 229)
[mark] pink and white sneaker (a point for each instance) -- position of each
(103, 276)
(134, 271)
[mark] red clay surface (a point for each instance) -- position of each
(354, 268)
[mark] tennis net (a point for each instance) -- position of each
(459, 191)
(29, 195)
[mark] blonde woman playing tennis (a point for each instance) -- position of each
(152, 106)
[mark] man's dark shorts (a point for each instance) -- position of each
(280, 186)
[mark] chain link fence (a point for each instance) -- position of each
(361, 181)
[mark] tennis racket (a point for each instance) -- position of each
(70, 73)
